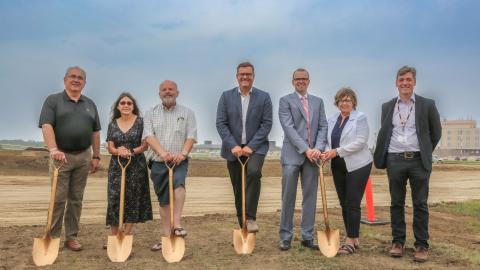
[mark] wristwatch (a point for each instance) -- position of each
(184, 154)
(96, 157)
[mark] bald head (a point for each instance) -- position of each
(168, 93)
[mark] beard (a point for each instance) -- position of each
(168, 101)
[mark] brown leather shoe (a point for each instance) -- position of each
(397, 250)
(421, 254)
(73, 245)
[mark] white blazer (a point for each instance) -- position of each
(353, 141)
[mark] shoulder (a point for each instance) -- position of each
(286, 97)
(424, 100)
(389, 103)
(261, 93)
(317, 98)
(185, 109)
(53, 98)
(88, 100)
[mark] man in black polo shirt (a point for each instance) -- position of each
(71, 131)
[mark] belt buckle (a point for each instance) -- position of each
(408, 155)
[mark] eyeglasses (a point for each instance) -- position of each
(128, 103)
(244, 74)
(75, 77)
(301, 79)
(345, 101)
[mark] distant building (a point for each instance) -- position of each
(459, 138)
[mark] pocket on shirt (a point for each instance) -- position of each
(181, 125)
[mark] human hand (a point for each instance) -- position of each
(237, 151)
(94, 165)
(247, 151)
(123, 152)
(166, 156)
(329, 154)
(58, 155)
(177, 159)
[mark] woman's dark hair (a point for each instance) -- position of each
(116, 113)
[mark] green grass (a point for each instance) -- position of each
(454, 253)
(468, 208)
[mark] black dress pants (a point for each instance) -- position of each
(253, 184)
(350, 187)
(400, 170)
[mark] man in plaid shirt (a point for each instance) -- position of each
(170, 130)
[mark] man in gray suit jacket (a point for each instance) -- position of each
(244, 120)
(304, 124)
(408, 135)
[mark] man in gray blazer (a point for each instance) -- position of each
(244, 120)
(304, 124)
(410, 131)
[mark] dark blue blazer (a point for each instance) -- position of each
(258, 124)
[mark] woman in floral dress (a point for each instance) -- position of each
(124, 139)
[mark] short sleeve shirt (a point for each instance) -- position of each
(73, 122)
(170, 127)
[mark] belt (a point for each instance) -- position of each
(75, 152)
(406, 155)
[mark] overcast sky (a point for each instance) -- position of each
(134, 45)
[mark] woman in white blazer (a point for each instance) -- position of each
(351, 162)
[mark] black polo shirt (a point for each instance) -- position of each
(73, 122)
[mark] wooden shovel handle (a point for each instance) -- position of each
(56, 168)
(170, 167)
(320, 165)
(244, 214)
(122, 191)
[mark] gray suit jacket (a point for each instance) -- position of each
(258, 124)
(427, 123)
(293, 120)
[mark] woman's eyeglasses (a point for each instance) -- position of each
(128, 103)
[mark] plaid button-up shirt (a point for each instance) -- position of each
(171, 128)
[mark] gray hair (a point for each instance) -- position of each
(174, 83)
(79, 68)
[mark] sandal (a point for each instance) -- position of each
(156, 247)
(346, 249)
(180, 232)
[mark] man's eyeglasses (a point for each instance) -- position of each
(244, 74)
(128, 103)
(300, 79)
(75, 77)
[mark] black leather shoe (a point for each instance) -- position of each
(310, 244)
(284, 245)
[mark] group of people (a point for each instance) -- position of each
(410, 130)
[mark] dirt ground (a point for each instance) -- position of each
(24, 190)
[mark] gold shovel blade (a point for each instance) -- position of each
(243, 242)
(45, 250)
(329, 242)
(119, 247)
(173, 248)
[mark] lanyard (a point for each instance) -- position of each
(403, 122)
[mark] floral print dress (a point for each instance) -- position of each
(138, 207)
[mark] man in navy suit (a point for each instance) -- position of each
(302, 116)
(244, 120)
(410, 131)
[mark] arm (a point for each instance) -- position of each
(266, 125)
(96, 152)
(49, 139)
(361, 138)
(435, 125)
